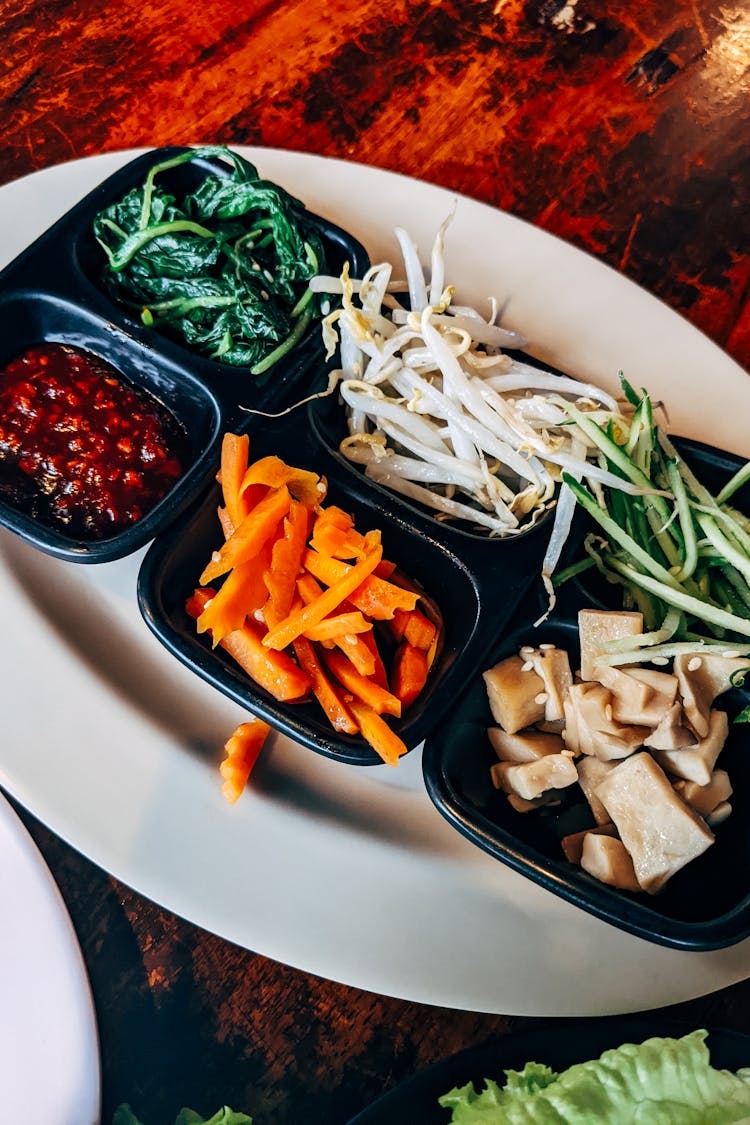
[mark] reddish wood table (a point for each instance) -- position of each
(623, 130)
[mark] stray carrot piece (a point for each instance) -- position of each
(376, 731)
(324, 691)
(381, 700)
(234, 455)
(276, 672)
(343, 624)
(305, 486)
(242, 750)
(300, 620)
(242, 593)
(251, 536)
(419, 630)
(281, 576)
(377, 598)
(409, 673)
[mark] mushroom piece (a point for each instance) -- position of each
(598, 731)
(705, 798)
(719, 814)
(608, 860)
(637, 700)
(672, 834)
(531, 779)
(592, 771)
(524, 746)
(572, 844)
(596, 627)
(552, 665)
(696, 762)
(702, 677)
(671, 733)
(515, 693)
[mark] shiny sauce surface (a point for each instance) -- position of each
(81, 449)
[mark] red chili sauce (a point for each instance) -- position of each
(80, 448)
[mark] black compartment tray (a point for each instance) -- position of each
(704, 906)
(476, 581)
(51, 293)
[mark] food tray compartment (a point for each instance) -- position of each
(53, 288)
(704, 906)
(29, 317)
(476, 590)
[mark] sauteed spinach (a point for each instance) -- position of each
(223, 269)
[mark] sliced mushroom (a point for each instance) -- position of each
(702, 677)
(520, 804)
(696, 762)
(531, 779)
(705, 798)
(608, 860)
(524, 746)
(572, 844)
(666, 839)
(671, 733)
(592, 771)
(597, 729)
(516, 693)
(636, 700)
(721, 813)
(596, 627)
(552, 665)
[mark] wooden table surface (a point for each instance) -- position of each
(622, 128)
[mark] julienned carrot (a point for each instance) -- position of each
(381, 700)
(281, 576)
(234, 455)
(409, 673)
(376, 597)
(377, 671)
(376, 731)
(334, 534)
(342, 625)
(242, 750)
(274, 671)
(299, 620)
(419, 630)
(304, 485)
(241, 594)
(337, 713)
(354, 647)
(249, 538)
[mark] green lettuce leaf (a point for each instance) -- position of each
(225, 1116)
(659, 1082)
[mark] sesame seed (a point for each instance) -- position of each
(660, 660)
(541, 698)
(546, 647)
(694, 664)
(528, 666)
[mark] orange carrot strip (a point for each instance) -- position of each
(409, 673)
(234, 455)
(385, 569)
(242, 750)
(274, 671)
(376, 731)
(301, 619)
(382, 701)
(377, 598)
(334, 534)
(419, 630)
(343, 624)
(377, 671)
(227, 526)
(242, 593)
(324, 691)
(281, 576)
(354, 647)
(305, 486)
(252, 534)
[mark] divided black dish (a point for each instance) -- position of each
(704, 906)
(476, 581)
(51, 293)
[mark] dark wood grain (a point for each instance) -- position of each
(622, 128)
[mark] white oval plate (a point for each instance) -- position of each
(344, 872)
(49, 1055)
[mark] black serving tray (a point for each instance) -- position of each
(51, 292)
(704, 906)
(478, 582)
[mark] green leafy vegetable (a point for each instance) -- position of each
(225, 1116)
(660, 1082)
(224, 269)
